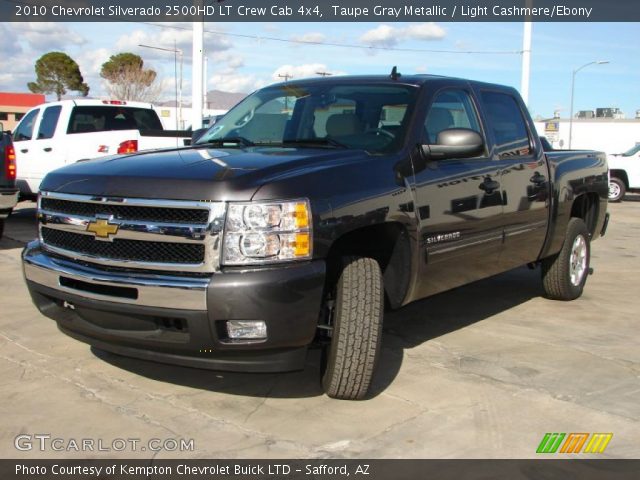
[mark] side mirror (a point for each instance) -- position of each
(455, 143)
(196, 134)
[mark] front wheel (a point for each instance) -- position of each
(617, 189)
(565, 274)
(357, 330)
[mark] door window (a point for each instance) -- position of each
(450, 109)
(25, 129)
(49, 122)
(507, 123)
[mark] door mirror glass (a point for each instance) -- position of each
(455, 143)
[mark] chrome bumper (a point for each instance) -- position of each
(186, 293)
(8, 200)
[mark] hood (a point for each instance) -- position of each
(194, 173)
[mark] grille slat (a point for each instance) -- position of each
(125, 250)
(127, 212)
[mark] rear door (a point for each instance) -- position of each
(26, 155)
(459, 203)
(524, 177)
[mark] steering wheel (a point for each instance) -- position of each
(381, 131)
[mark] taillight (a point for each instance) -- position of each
(128, 146)
(10, 162)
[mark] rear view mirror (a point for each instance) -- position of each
(455, 143)
(196, 134)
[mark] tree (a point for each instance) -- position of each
(129, 80)
(57, 72)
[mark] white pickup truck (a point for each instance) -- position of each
(624, 173)
(58, 133)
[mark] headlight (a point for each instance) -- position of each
(269, 232)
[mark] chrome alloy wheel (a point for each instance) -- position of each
(578, 261)
(614, 190)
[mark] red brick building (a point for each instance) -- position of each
(14, 105)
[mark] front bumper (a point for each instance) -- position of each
(8, 200)
(182, 319)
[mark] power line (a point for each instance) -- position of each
(341, 45)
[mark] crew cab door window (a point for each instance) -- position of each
(450, 109)
(49, 122)
(24, 131)
(507, 123)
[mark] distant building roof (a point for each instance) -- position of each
(21, 99)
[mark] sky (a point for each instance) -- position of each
(239, 63)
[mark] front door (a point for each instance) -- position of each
(459, 204)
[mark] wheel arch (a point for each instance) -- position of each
(389, 244)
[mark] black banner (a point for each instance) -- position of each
(320, 10)
(320, 469)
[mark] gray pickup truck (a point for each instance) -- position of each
(8, 190)
(301, 214)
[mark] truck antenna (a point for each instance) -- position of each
(394, 73)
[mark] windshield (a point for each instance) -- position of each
(372, 117)
(632, 151)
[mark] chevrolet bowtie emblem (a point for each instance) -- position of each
(102, 228)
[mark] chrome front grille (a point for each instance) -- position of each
(165, 235)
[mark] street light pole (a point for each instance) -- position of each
(176, 51)
(573, 84)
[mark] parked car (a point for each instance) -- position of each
(8, 190)
(624, 173)
(59, 133)
(309, 207)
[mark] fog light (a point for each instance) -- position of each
(247, 329)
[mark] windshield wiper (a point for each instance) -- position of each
(222, 141)
(324, 141)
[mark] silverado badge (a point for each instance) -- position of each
(102, 228)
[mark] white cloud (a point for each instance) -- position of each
(235, 82)
(49, 36)
(387, 36)
(9, 44)
(167, 37)
(382, 35)
(424, 31)
(310, 37)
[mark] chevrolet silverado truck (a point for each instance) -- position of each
(8, 190)
(624, 173)
(58, 133)
(303, 214)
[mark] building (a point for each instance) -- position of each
(610, 135)
(14, 105)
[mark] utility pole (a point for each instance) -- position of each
(286, 77)
(197, 74)
(526, 57)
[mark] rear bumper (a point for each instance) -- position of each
(8, 200)
(182, 320)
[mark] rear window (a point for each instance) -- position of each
(85, 119)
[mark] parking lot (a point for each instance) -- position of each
(483, 371)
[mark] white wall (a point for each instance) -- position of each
(168, 116)
(608, 136)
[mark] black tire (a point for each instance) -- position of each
(560, 279)
(1, 227)
(357, 330)
(617, 189)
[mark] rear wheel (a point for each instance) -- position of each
(565, 274)
(617, 189)
(357, 330)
